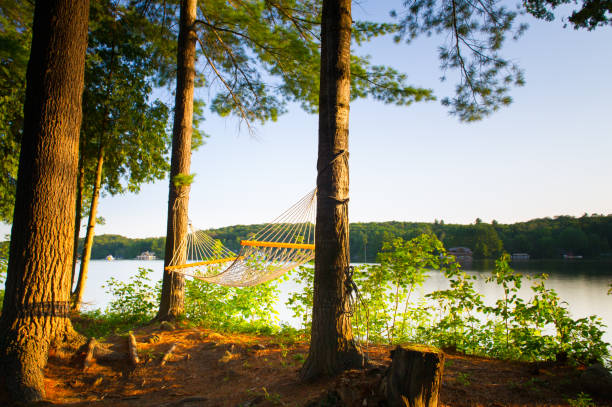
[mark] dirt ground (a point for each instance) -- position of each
(211, 369)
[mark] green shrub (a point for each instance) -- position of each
(537, 328)
(300, 302)
(134, 301)
(4, 252)
(97, 324)
(228, 308)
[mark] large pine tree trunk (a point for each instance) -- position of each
(36, 302)
(173, 285)
(332, 348)
(91, 224)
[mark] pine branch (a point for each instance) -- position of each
(229, 89)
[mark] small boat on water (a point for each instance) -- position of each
(571, 256)
(110, 257)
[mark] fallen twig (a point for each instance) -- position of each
(167, 354)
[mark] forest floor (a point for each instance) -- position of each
(217, 369)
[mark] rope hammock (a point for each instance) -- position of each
(282, 245)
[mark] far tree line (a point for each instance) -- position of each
(545, 238)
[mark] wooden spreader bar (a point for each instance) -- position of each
(259, 243)
(202, 263)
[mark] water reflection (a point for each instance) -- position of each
(570, 266)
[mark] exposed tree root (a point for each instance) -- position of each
(22, 367)
(133, 349)
(25, 357)
(89, 356)
(330, 364)
(69, 340)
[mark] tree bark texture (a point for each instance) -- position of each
(91, 224)
(332, 348)
(414, 377)
(36, 302)
(173, 285)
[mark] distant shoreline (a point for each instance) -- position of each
(589, 236)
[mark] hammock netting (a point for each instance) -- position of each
(282, 245)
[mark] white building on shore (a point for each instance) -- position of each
(146, 256)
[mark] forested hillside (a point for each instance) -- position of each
(123, 247)
(589, 236)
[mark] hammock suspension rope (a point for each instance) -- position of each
(282, 245)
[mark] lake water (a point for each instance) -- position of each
(582, 283)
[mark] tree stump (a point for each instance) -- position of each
(414, 377)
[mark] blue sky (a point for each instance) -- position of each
(547, 154)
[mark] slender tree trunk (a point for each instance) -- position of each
(91, 224)
(332, 348)
(77, 212)
(95, 195)
(36, 302)
(173, 285)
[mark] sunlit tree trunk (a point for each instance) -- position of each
(36, 302)
(91, 224)
(332, 348)
(173, 285)
(77, 296)
(77, 213)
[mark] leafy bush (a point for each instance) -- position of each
(225, 308)
(581, 400)
(4, 252)
(228, 308)
(538, 328)
(300, 302)
(455, 313)
(97, 324)
(389, 289)
(134, 301)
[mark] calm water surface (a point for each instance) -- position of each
(582, 283)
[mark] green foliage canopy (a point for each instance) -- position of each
(257, 56)
(474, 33)
(590, 13)
(15, 38)
(118, 113)
(121, 40)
